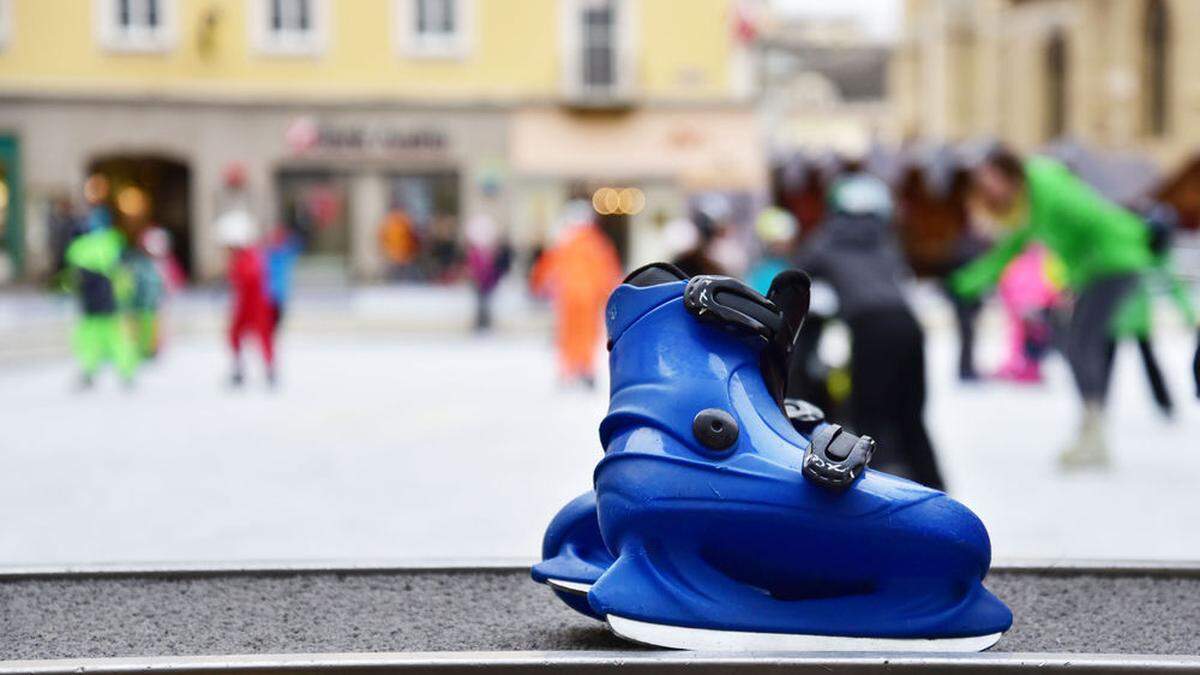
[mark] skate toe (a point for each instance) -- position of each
(949, 554)
(983, 614)
(950, 537)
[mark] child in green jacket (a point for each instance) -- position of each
(99, 280)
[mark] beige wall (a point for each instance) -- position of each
(966, 69)
(715, 148)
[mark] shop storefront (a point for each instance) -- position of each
(339, 173)
(380, 192)
(387, 195)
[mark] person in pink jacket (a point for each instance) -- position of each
(1029, 293)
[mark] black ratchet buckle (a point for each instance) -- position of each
(836, 457)
(803, 415)
(726, 301)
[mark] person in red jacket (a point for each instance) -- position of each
(252, 312)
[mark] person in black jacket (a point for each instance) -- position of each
(856, 253)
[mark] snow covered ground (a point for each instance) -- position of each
(385, 444)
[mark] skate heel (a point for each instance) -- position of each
(574, 554)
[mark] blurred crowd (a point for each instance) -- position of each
(120, 278)
(1074, 271)
(121, 267)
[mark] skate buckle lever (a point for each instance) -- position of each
(836, 457)
(722, 300)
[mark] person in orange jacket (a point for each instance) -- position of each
(578, 272)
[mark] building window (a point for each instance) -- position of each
(5, 22)
(1056, 85)
(1156, 75)
(597, 44)
(292, 17)
(434, 28)
(136, 25)
(599, 67)
(290, 27)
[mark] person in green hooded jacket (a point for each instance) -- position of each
(100, 280)
(1104, 248)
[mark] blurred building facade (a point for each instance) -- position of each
(824, 85)
(1113, 74)
(338, 113)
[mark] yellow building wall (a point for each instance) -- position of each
(1106, 87)
(685, 47)
(683, 51)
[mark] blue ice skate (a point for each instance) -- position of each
(731, 532)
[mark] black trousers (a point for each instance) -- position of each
(1158, 384)
(887, 392)
(966, 313)
(1090, 333)
(483, 309)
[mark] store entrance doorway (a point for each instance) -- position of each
(12, 193)
(147, 191)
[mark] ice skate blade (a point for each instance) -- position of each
(577, 587)
(705, 639)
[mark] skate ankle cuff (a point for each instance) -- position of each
(836, 457)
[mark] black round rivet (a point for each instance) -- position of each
(715, 429)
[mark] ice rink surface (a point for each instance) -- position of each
(398, 446)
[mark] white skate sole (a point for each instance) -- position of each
(577, 587)
(706, 639)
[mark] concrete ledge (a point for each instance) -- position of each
(1096, 616)
(606, 662)
(1047, 567)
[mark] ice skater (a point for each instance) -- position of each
(489, 256)
(578, 271)
(281, 254)
(99, 280)
(148, 289)
(250, 303)
(1030, 292)
(1104, 250)
(776, 230)
(855, 251)
(969, 243)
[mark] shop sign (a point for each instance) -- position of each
(307, 135)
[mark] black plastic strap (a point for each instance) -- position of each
(836, 457)
(729, 302)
